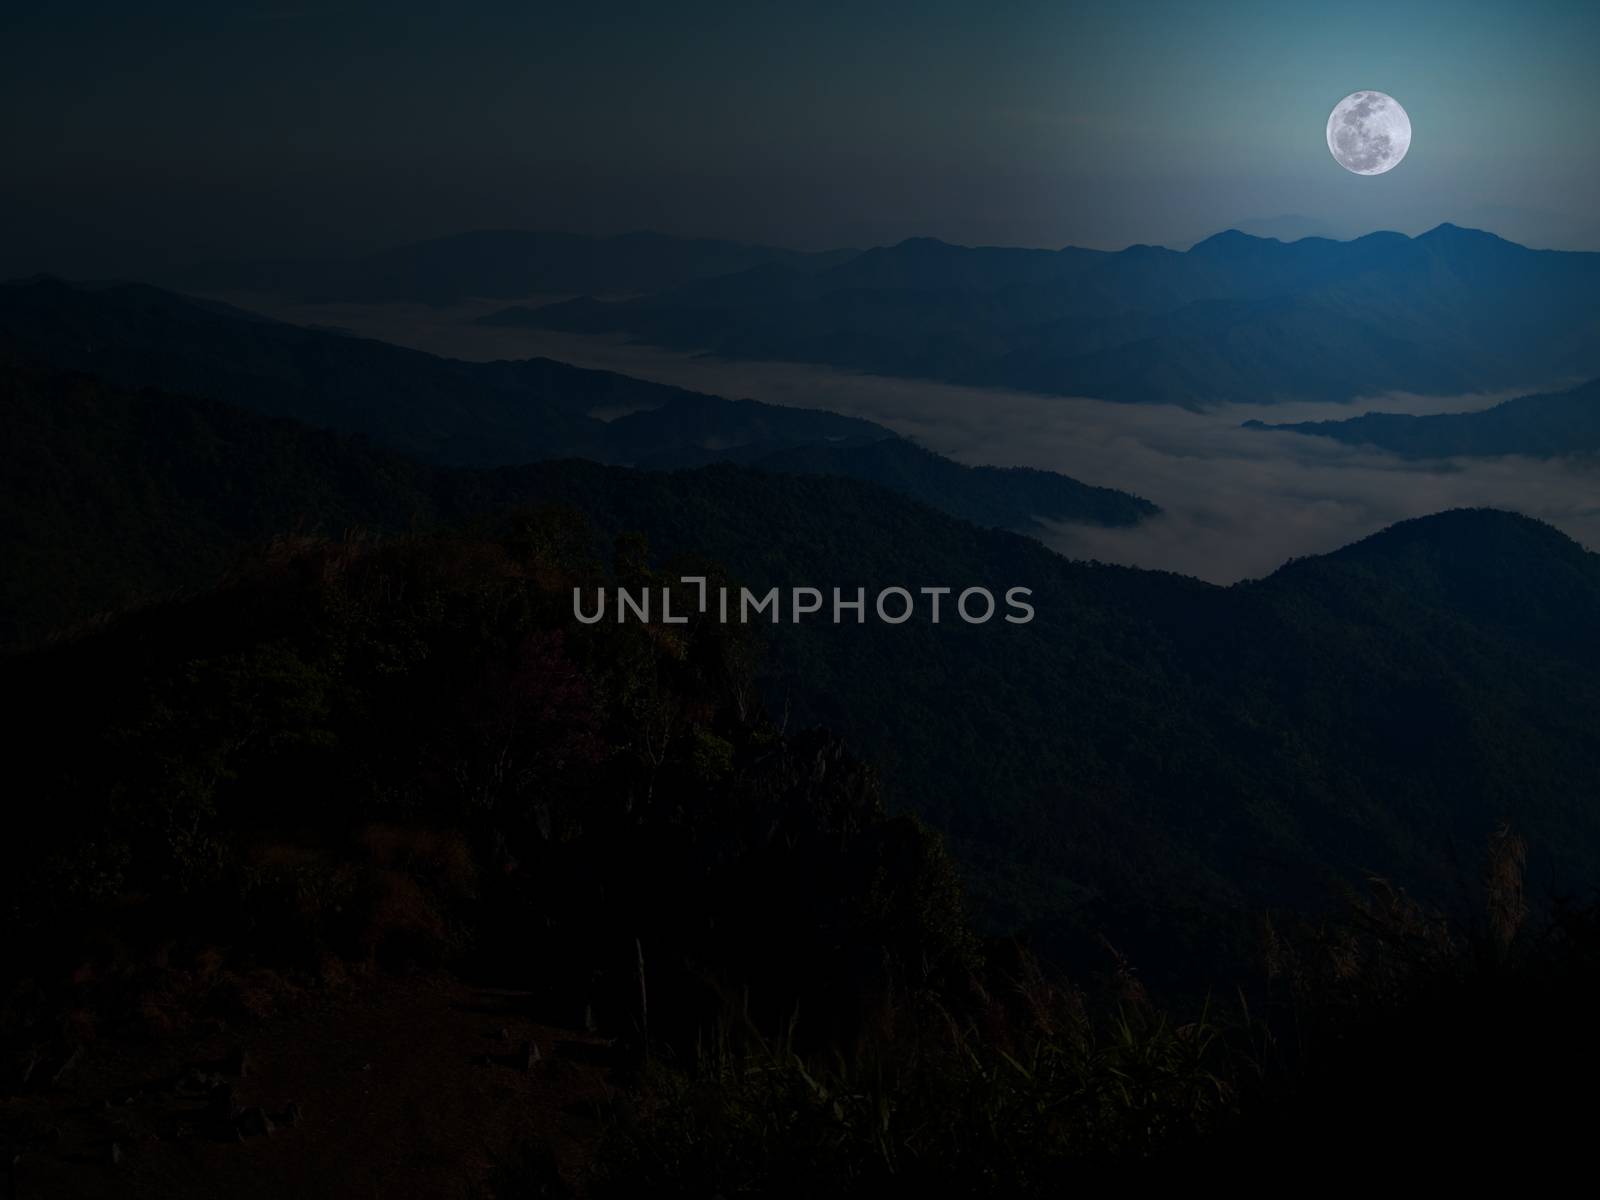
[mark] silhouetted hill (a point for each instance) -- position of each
(1287, 227)
(504, 264)
(1235, 318)
(1543, 426)
(435, 409)
(1520, 576)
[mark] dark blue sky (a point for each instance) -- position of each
(163, 130)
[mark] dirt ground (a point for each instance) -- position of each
(402, 1087)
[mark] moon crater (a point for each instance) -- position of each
(1369, 133)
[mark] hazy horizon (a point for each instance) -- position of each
(1262, 228)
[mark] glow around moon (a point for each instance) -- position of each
(1369, 133)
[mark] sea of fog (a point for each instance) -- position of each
(1236, 502)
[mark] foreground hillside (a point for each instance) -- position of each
(370, 870)
(363, 761)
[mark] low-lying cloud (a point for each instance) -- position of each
(1237, 503)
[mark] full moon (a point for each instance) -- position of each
(1369, 133)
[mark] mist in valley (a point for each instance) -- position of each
(1237, 503)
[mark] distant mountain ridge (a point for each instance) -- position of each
(1545, 425)
(1233, 319)
(467, 414)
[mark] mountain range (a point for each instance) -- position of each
(1233, 319)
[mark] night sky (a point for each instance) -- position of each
(141, 135)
